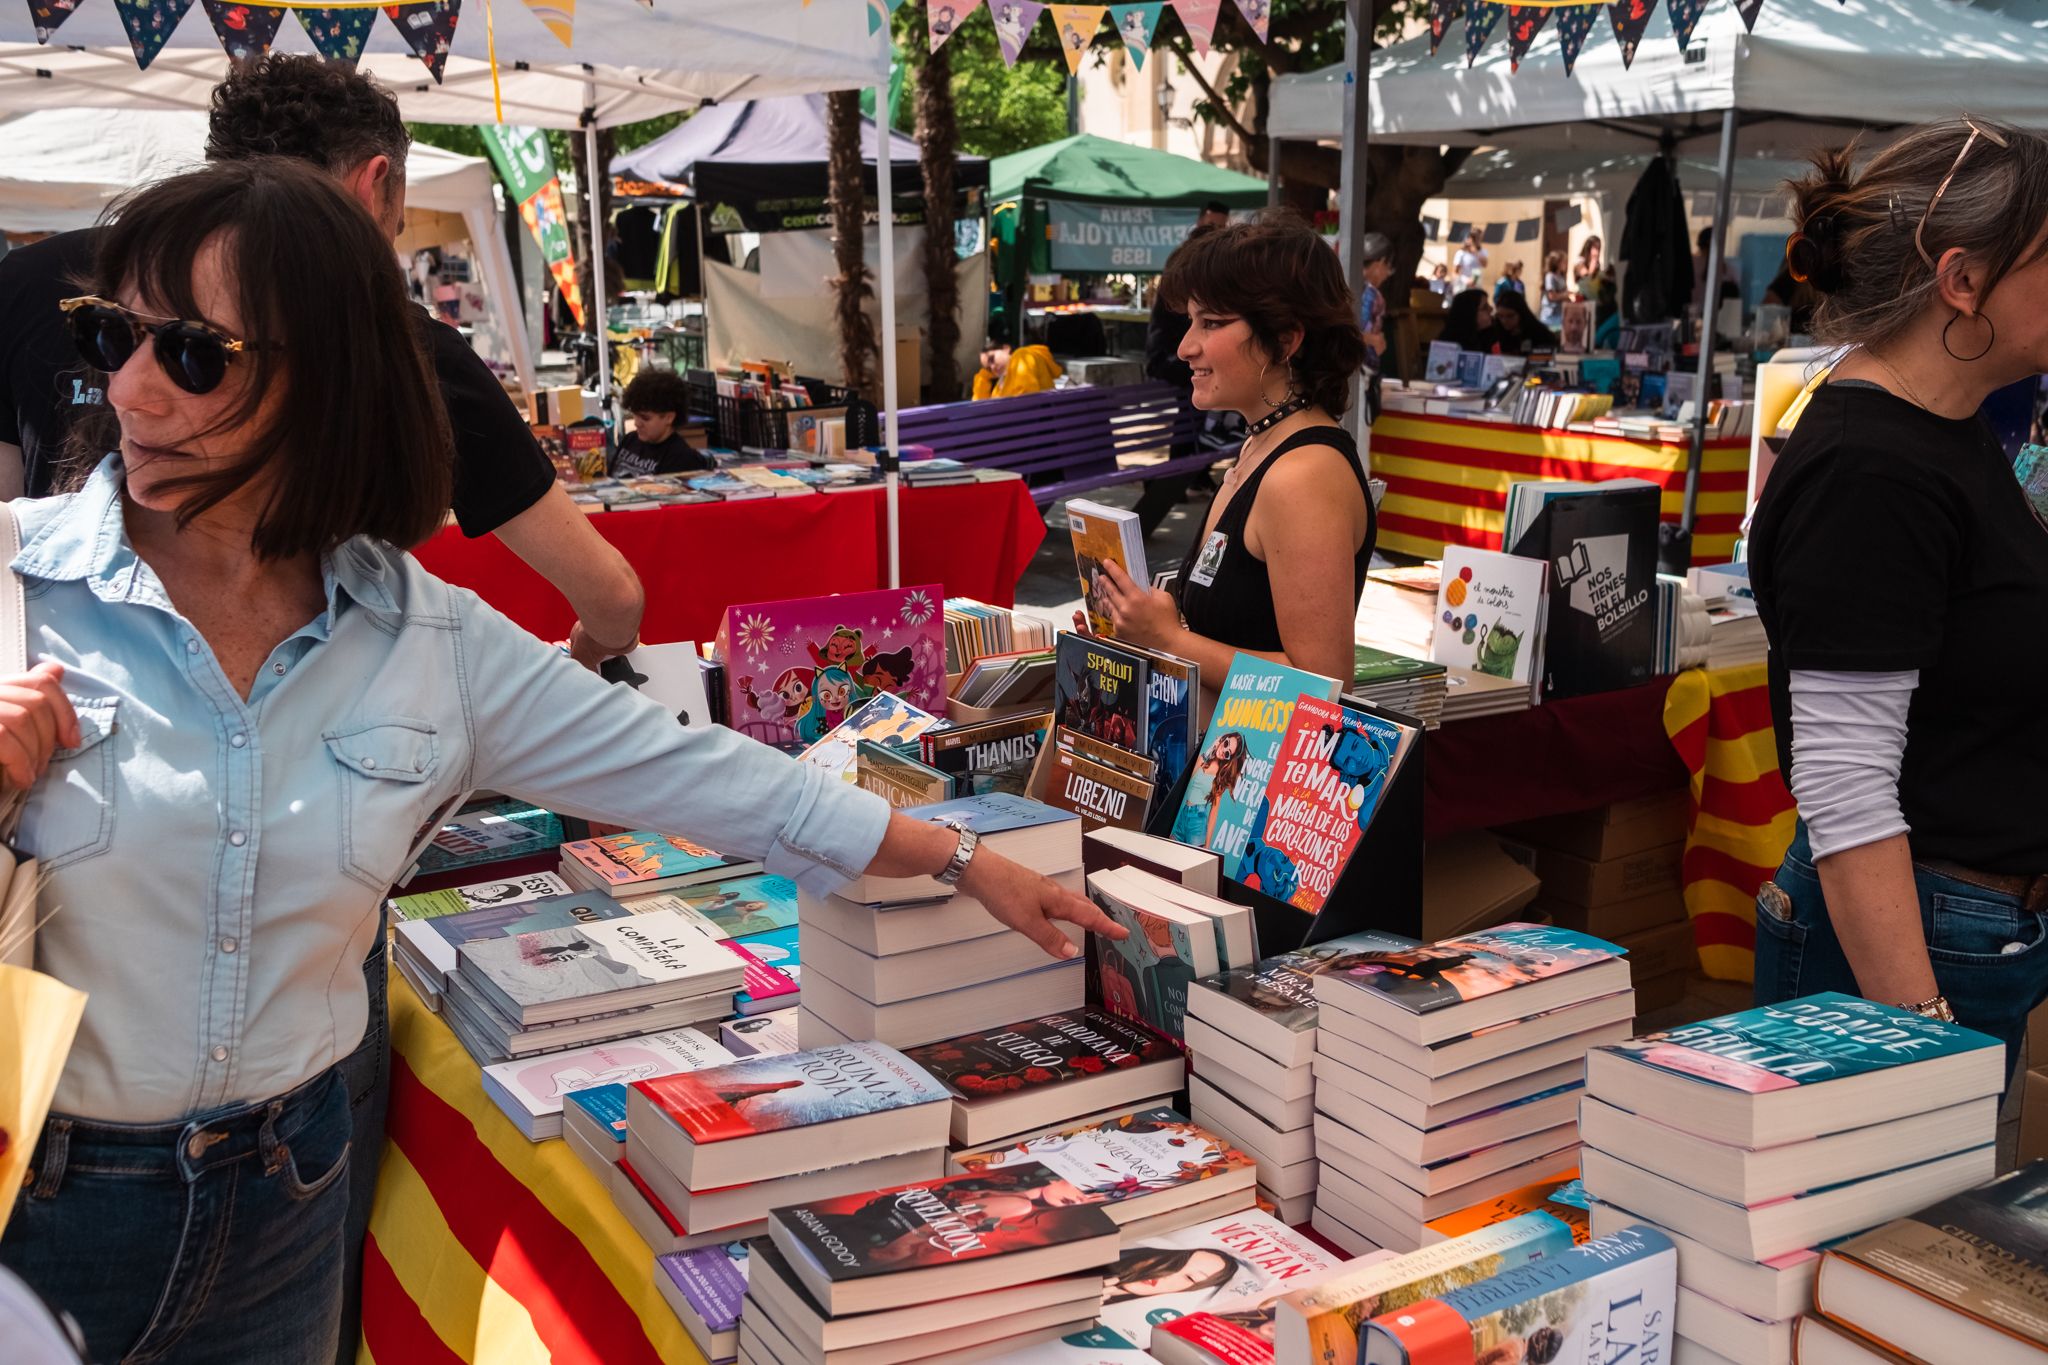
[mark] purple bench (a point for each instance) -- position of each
(1065, 441)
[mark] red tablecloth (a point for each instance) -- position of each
(974, 539)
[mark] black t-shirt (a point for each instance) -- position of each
(1890, 539)
(45, 389)
(672, 456)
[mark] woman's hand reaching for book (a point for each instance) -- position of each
(1029, 902)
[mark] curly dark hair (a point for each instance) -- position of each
(302, 107)
(658, 391)
(1277, 274)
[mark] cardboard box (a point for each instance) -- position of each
(1667, 949)
(1578, 881)
(1617, 919)
(1614, 831)
(1469, 882)
(558, 407)
(1660, 992)
(2034, 1118)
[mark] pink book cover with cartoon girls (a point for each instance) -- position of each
(796, 669)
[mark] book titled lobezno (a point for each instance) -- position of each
(1611, 1299)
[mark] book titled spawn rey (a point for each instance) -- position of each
(1102, 689)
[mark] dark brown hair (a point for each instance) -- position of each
(359, 442)
(283, 104)
(1277, 273)
(1862, 260)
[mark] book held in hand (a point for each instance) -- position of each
(1039, 1071)
(1105, 535)
(920, 1243)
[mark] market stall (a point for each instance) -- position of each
(61, 168)
(1086, 207)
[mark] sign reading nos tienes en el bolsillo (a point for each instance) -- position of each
(1116, 237)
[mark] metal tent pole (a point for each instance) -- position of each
(885, 175)
(594, 311)
(1357, 129)
(1708, 307)
(1272, 172)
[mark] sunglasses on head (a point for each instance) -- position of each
(196, 355)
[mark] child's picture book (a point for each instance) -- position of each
(1104, 535)
(1490, 614)
(796, 669)
(884, 719)
(1227, 782)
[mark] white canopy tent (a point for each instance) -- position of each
(61, 168)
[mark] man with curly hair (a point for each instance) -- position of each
(53, 409)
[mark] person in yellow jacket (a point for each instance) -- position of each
(1006, 373)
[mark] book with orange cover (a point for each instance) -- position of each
(1561, 1196)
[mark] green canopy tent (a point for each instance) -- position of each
(1088, 205)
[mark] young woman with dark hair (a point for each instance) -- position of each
(1469, 322)
(1900, 573)
(1149, 1272)
(246, 702)
(1278, 570)
(1516, 330)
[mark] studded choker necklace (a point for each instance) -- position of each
(1277, 415)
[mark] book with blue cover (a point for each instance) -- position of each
(774, 970)
(1609, 1299)
(1796, 1070)
(1227, 779)
(989, 813)
(744, 906)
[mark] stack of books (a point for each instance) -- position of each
(1124, 729)
(952, 1270)
(1755, 1137)
(641, 863)
(707, 1153)
(428, 927)
(1450, 1073)
(707, 1288)
(1413, 687)
(1176, 936)
(588, 982)
(1252, 1031)
(1963, 1280)
(1044, 1073)
(1469, 694)
(907, 960)
(531, 1091)
(997, 755)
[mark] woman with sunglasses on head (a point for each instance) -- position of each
(1902, 578)
(246, 702)
(1273, 335)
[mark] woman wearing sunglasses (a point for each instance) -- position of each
(1902, 577)
(246, 705)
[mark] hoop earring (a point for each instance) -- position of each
(1285, 398)
(1989, 341)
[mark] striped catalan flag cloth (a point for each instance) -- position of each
(490, 1249)
(1447, 479)
(1743, 816)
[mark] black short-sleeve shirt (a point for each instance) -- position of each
(45, 389)
(1888, 539)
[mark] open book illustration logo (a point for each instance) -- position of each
(1596, 571)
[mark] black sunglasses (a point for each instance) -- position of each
(195, 355)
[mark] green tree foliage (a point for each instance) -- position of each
(998, 110)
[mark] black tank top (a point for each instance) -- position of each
(1225, 591)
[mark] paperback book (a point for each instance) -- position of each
(1103, 690)
(774, 970)
(1271, 1005)
(757, 1095)
(1227, 782)
(531, 1091)
(898, 777)
(994, 756)
(1065, 1062)
(1456, 971)
(744, 907)
(433, 944)
(1176, 683)
(1105, 535)
(641, 862)
(707, 1287)
(596, 968)
(1099, 794)
(884, 719)
(454, 900)
(761, 1035)
(1146, 976)
(1329, 773)
(1600, 621)
(1562, 1196)
(1490, 614)
(1129, 1161)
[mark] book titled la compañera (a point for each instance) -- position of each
(795, 1090)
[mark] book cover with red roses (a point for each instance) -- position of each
(1035, 1053)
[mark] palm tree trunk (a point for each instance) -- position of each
(850, 287)
(938, 136)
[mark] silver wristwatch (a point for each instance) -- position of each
(962, 855)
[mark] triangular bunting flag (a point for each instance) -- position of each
(1441, 12)
(1136, 24)
(1198, 17)
(1572, 27)
(878, 13)
(1480, 17)
(1630, 17)
(1524, 23)
(428, 28)
(49, 15)
(1685, 17)
(245, 31)
(557, 16)
(1076, 25)
(149, 24)
(942, 17)
(1749, 9)
(338, 34)
(1259, 14)
(1014, 22)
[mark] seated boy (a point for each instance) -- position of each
(656, 400)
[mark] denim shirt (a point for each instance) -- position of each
(216, 864)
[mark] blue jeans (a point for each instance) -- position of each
(367, 1074)
(1990, 954)
(213, 1239)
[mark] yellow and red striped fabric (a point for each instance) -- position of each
(1720, 723)
(1447, 479)
(490, 1249)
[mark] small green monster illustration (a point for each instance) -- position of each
(1497, 649)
